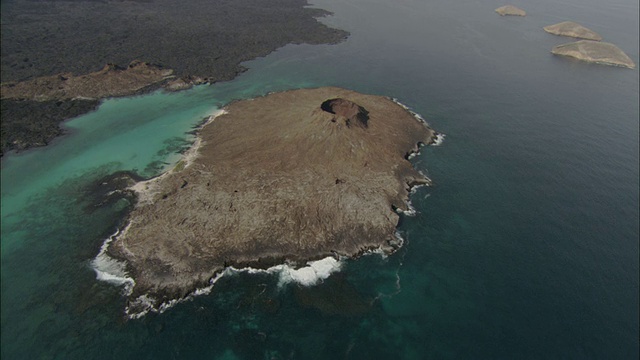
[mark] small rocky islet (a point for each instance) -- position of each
(590, 49)
(596, 52)
(510, 10)
(293, 176)
(572, 29)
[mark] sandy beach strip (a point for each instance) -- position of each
(146, 190)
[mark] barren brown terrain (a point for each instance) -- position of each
(595, 52)
(292, 176)
(111, 81)
(571, 29)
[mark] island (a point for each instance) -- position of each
(510, 10)
(571, 29)
(596, 52)
(289, 177)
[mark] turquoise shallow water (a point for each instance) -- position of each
(525, 247)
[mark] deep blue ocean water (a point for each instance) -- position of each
(525, 247)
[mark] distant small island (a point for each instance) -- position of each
(595, 52)
(292, 176)
(510, 10)
(572, 29)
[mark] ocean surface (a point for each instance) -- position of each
(525, 247)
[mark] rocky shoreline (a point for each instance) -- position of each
(283, 179)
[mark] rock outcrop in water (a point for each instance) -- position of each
(571, 29)
(292, 176)
(510, 10)
(595, 52)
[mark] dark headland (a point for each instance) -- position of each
(60, 45)
(292, 176)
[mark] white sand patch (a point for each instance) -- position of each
(309, 275)
(415, 114)
(147, 190)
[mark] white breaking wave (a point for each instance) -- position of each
(144, 302)
(377, 251)
(411, 211)
(415, 114)
(310, 275)
(111, 270)
(315, 272)
(439, 139)
(399, 237)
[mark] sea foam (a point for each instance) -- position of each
(415, 114)
(439, 136)
(314, 272)
(439, 139)
(111, 270)
(309, 275)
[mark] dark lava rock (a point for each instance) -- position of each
(111, 189)
(207, 38)
(26, 124)
(201, 40)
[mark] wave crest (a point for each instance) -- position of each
(111, 270)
